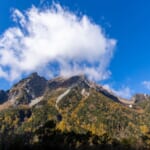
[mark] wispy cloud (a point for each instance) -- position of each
(146, 84)
(124, 92)
(54, 41)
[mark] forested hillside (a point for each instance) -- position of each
(71, 113)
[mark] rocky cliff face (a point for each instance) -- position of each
(140, 98)
(26, 90)
(79, 80)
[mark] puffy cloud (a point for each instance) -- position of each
(124, 92)
(146, 84)
(54, 41)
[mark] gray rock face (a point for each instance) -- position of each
(79, 80)
(27, 89)
(140, 97)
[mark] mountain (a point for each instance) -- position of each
(28, 89)
(71, 113)
(3, 96)
(34, 86)
(140, 98)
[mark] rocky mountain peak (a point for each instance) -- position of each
(140, 97)
(33, 75)
(80, 80)
(27, 89)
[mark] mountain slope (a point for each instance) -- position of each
(38, 110)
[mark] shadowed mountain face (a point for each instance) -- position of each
(37, 112)
(3, 96)
(25, 90)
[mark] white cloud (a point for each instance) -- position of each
(17, 15)
(146, 84)
(52, 41)
(124, 92)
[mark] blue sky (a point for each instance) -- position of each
(126, 21)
